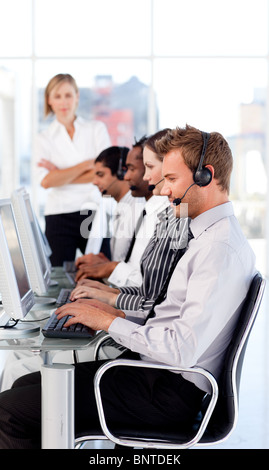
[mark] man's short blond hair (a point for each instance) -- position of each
(189, 141)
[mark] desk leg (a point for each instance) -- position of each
(57, 406)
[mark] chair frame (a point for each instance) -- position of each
(165, 443)
(101, 341)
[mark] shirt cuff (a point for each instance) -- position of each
(121, 331)
(125, 274)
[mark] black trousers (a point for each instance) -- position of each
(66, 233)
(138, 396)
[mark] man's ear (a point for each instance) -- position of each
(211, 169)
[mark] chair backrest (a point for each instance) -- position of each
(225, 413)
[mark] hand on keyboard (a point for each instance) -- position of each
(90, 312)
(56, 328)
(63, 297)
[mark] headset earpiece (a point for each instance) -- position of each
(121, 168)
(203, 176)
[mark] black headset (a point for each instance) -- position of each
(203, 176)
(122, 167)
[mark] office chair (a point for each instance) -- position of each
(106, 348)
(218, 416)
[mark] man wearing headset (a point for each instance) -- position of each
(127, 271)
(191, 326)
(109, 172)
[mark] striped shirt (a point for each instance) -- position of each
(169, 236)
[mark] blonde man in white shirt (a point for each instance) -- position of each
(65, 154)
(191, 326)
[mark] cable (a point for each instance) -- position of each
(34, 321)
(9, 326)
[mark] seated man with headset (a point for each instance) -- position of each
(109, 172)
(170, 234)
(189, 326)
(127, 271)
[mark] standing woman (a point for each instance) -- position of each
(65, 154)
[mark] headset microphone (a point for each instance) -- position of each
(153, 186)
(178, 200)
(105, 190)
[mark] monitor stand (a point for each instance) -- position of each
(20, 330)
(42, 301)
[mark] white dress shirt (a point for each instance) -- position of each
(117, 221)
(100, 225)
(124, 220)
(129, 274)
(55, 145)
(193, 325)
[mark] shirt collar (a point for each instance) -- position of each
(156, 203)
(126, 198)
(210, 217)
(121, 205)
(78, 121)
(56, 126)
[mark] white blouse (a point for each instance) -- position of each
(55, 145)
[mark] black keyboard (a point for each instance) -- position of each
(55, 328)
(63, 297)
(69, 266)
(71, 278)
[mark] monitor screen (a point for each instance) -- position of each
(37, 262)
(36, 234)
(15, 249)
(16, 292)
(45, 244)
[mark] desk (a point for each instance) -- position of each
(57, 379)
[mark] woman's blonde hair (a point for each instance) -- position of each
(55, 81)
(151, 141)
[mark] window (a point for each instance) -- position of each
(113, 91)
(92, 28)
(142, 65)
(15, 28)
(204, 93)
(210, 27)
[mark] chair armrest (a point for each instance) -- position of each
(147, 443)
(102, 337)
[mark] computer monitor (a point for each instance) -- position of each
(45, 244)
(17, 297)
(36, 259)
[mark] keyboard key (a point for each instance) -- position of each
(63, 297)
(55, 328)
